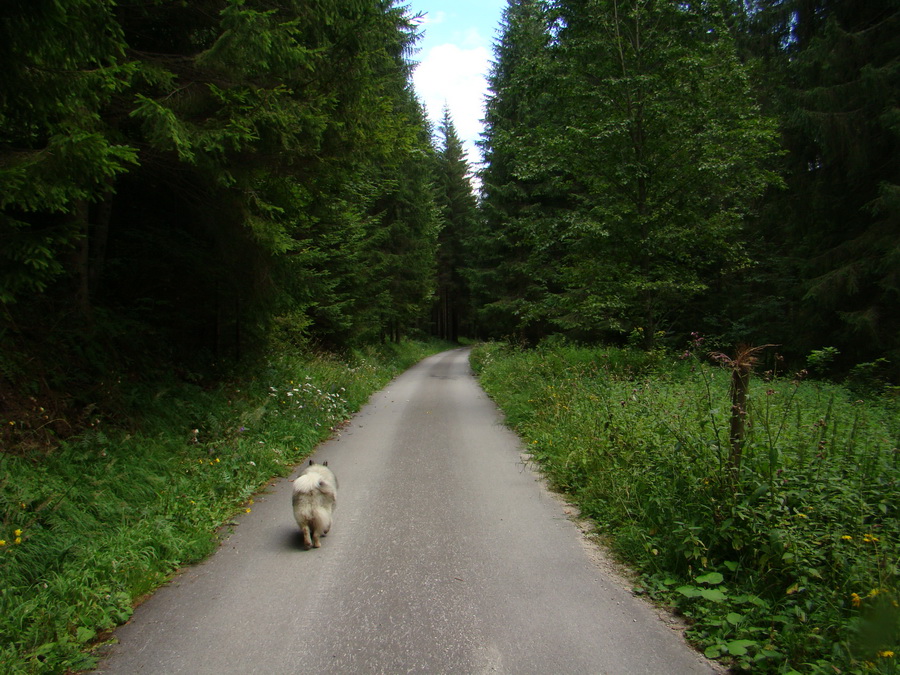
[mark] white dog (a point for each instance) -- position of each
(315, 495)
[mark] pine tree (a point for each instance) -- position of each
(452, 312)
(63, 62)
(666, 149)
(510, 269)
(829, 72)
(845, 141)
(214, 166)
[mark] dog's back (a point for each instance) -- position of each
(314, 497)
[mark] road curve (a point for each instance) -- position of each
(447, 556)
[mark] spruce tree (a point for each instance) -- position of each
(62, 64)
(666, 151)
(452, 315)
(511, 268)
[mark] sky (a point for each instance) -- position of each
(454, 58)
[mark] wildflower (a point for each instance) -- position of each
(847, 537)
(855, 599)
(217, 460)
(18, 540)
(886, 654)
(870, 539)
(18, 533)
(873, 593)
(2, 542)
(247, 510)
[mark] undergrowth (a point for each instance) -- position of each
(789, 564)
(106, 516)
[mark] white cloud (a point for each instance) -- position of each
(456, 76)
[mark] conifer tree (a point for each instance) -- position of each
(218, 163)
(829, 72)
(845, 141)
(458, 207)
(510, 269)
(62, 63)
(664, 149)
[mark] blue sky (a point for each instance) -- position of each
(454, 58)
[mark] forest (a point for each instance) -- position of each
(181, 180)
(655, 169)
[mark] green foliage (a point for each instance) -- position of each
(458, 207)
(511, 262)
(668, 166)
(106, 518)
(207, 167)
(63, 64)
(791, 566)
(635, 173)
(828, 71)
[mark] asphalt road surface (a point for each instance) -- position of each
(447, 555)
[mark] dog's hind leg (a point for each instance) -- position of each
(306, 538)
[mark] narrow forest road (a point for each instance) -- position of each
(447, 556)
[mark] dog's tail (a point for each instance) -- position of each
(307, 483)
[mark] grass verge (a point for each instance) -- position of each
(106, 517)
(790, 563)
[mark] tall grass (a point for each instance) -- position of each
(787, 562)
(105, 518)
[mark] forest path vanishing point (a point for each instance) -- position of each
(448, 555)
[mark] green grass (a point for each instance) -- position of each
(106, 517)
(792, 566)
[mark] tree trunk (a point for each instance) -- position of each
(99, 240)
(81, 261)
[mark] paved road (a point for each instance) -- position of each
(447, 556)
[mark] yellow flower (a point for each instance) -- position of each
(886, 654)
(847, 537)
(247, 510)
(18, 533)
(855, 599)
(18, 540)
(217, 460)
(874, 592)
(2, 542)
(870, 538)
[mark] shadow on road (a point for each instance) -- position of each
(292, 539)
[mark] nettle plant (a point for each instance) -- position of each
(805, 517)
